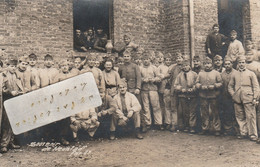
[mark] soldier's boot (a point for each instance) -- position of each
(112, 135)
(138, 133)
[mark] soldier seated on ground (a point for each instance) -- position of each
(86, 120)
(128, 109)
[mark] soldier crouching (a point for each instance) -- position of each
(128, 108)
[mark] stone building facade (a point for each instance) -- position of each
(46, 26)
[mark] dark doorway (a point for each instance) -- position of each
(230, 17)
(92, 14)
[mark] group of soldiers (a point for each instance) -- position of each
(145, 90)
(90, 40)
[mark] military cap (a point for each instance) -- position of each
(217, 57)
(186, 62)
(122, 82)
(64, 62)
(48, 56)
(208, 60)
(91, 57)
(146, 55)
(233, 32)
(160, 54)
(196, 58)
(248, 42)
(168, 55)
(32, 56)
(215, 25)
(12, 60)
(241, 57)
(227, 58)
(22, 59)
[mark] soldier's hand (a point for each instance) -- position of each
(183, 90)
(99, 114)
(204, 87)
(14, 93)
(130, 114)
(104, 112)
(125, 118)
(145, 80)
(137, 91)
(94, 120)
(211, 87)
(254, 102)
(190, 90)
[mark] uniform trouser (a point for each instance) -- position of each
(174, 108)
(228, 119)
(167, 112)
(7, 136)
(151, 97)
(114, 121)
(246, 118)
(187, 114)
(258, 117)
(206, 104)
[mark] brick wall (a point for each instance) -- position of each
(141, 19)
(255, 20)
(40, 26)
(205, 15)
(176, 27)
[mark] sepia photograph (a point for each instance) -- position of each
(129, 83)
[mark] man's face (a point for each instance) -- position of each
(78, 33)
(138, 61)
(77, 63)
(32, 62)
(99, 31)
(91, 62)
(90, 32)
(249, 57)
(108, 66)
(85, 33)
(127, 40)
(233, 36)
(127, 58)
(216, 29)
(11, 68)
(168, 61)
(70, 63)
(146, 61)
(122, 89)
(208, 66)
(249, 46)
(228, 65)
(48, 62)
(65, 68)
(156, 63)
(186, 67)
(160, 59)
(196, 63)
(241, 64)
(102, 95)
(22, 65)
(179, 60)
(218, 63)
(97, 63)
(120, 62)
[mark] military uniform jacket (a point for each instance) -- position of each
(226, 78)
(235, 49)
(163, 73)
(35, 78)
(47, 76)
(243, 86)
(174, 71)
(25, 78)
(206, 79)
(112, 80)
(108, 103)
(148, 72)
(186, 83)
(85, 115)
(62, 76)
(98, 75)
(131, 104)
(132, 74)
(214, 42)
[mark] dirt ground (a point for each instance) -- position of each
(158, 148)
